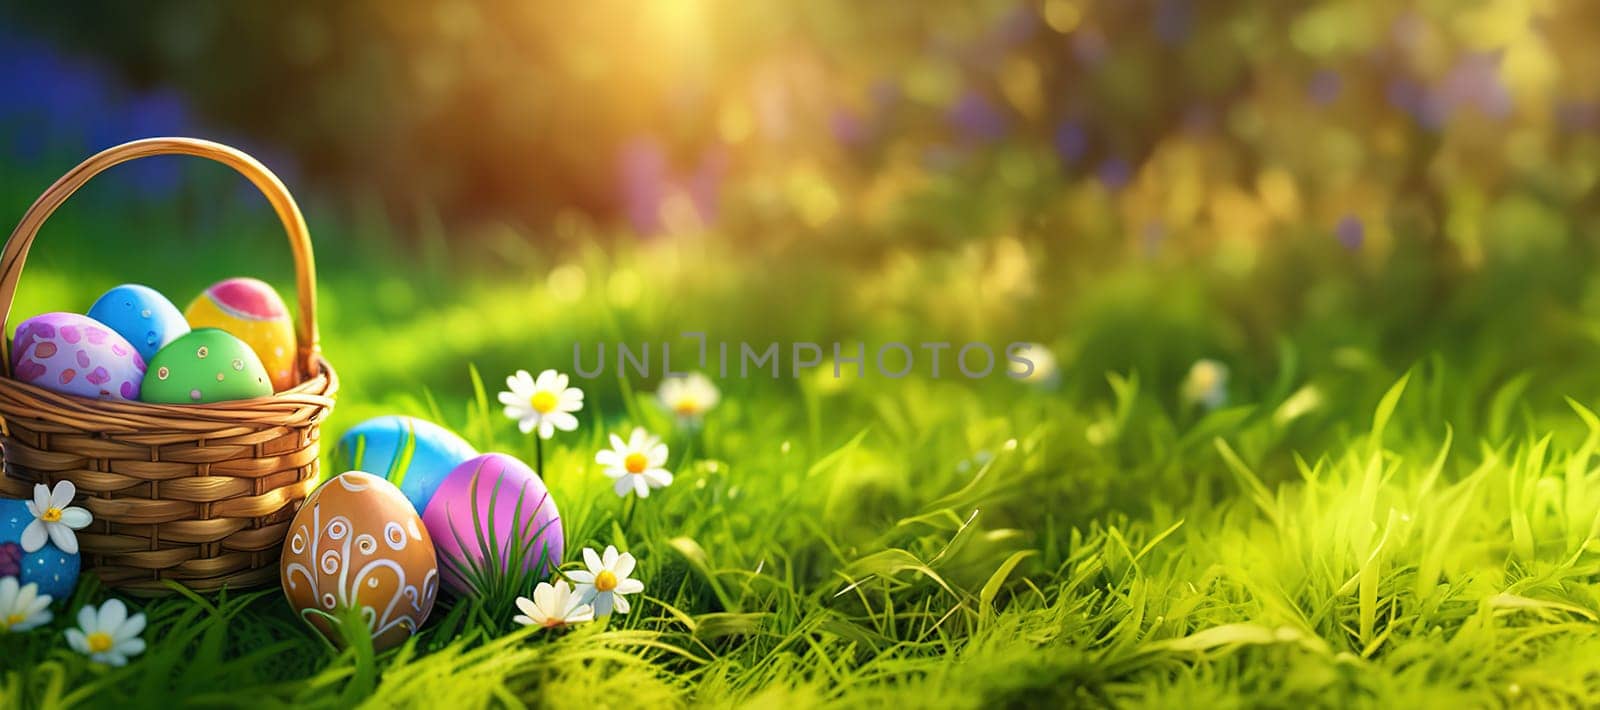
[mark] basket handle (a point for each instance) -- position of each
(16, 249)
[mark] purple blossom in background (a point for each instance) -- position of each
(46, 100)
(1172, 21)
(1016, 26)
(1413, 99)
(1474, 82)
(1579, 115)
(162, 113)
(1013, 28)
(1325, 87)
(977, 118)
(1114, 173)
(848, 128)
(1351, 232)
(59, 90)
(1199, 118)
(1403, 93)
(647, 183)
(705, 185)
(1089, 45)
(885, 93)
(61, 109)
(643, 172)
(1071, 141)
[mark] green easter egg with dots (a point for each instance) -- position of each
(207, 365)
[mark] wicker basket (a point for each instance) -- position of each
(196, 494)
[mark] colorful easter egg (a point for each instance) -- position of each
(55, 572)
(206, 365)
(357, 550)
(411, 453)
(254, 313)
(141, 315)
(74, 354)
(531, 540)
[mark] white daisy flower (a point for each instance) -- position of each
(546, 403)
(689, 397)
(108, 635)
(54, 518)
(1206, 384)
(635, 465)
(552, 605)
(22, 607)
(606, 580)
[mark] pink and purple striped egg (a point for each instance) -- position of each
(460, 530)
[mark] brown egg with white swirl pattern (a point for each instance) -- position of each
(358, 553)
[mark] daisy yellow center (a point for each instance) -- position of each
(636, 463)
(51, 515)
(686, 406)
(543, 402)
(605, 581)
(15, 619)
(99, 642)
(553, 622)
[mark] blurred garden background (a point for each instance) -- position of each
(1235, 224)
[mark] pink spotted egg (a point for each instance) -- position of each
(75, 354)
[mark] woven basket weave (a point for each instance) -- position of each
(195, 494)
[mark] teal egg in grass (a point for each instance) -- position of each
(413, 454)
(55, 572)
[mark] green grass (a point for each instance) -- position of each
(1399, 507)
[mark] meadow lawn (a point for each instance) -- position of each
(1397, 505)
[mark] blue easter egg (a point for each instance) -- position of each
(142, 315)
(55, 572)
(414, 454)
